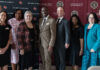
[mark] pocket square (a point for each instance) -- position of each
(47, 23)
(7, 28)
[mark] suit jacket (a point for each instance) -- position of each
(62, 34)
(47, 32)
(93, 37)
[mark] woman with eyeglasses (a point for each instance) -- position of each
(14, 22)
(26, 39)
(91, 54)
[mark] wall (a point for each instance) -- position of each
(11, 5)
(83, 7)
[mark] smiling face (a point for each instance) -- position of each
(28, 17)
(3, 16)
(44, 12)
(91, 19)
(18, 14)
(74, 20)
(60, 12)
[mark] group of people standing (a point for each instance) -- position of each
(18, 36)
(17, 41)
(58, 35)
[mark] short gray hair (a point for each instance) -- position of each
(27, 12)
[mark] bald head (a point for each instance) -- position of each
(44, 11)
(60, 11)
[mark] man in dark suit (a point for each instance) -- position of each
(62, 39)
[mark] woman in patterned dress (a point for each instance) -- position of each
(14, 22)
(26, 37)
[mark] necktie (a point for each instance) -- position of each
(44, 20)
(58, 21)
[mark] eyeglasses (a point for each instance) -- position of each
(91, 17)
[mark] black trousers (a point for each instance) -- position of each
(59, 56)
(26, 60)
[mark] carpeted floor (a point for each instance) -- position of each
(53, 68)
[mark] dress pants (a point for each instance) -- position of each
(59, 56)
(46, 58)
(89, 59)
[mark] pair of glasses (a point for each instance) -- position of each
(91, 17)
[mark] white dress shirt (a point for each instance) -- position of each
(60, 19)
(44, 20)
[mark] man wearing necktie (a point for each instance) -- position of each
(62, 39)
(47, 26)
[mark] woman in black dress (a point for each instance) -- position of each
(25, 36)
(5, 38)
(76, 41)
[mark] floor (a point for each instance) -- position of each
(53, 68)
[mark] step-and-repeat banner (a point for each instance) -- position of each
(11, 5)
(80, 7)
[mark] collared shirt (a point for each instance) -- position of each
(60, 19)
(45, 19)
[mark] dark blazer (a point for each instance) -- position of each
(62, 37)
(62, 33)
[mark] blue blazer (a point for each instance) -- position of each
(93, 38)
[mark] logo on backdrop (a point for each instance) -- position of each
(74, 12)
(11, 5)
(94, 4)
(60, 4)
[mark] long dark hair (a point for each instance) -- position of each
(6, 16)
(78, 22)
(96, 19)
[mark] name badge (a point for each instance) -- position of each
(7, 28)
